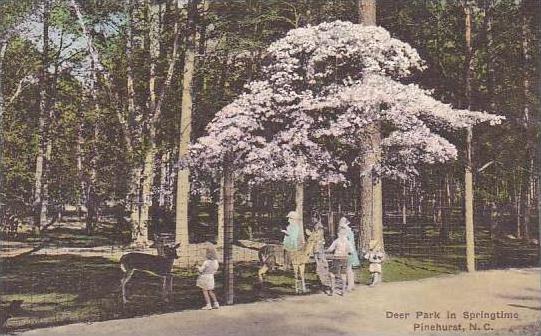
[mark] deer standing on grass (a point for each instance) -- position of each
(298, 259)
(154, 264)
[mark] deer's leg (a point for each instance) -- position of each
(301, 271)
(165, 286)
(296, 274)
(123, 282)
(262, 270)
(170, 284)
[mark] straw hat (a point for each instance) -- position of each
(293, 214)
(343, 223)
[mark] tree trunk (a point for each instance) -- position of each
(404, 208)
(150, 154)
(220, 239)
(79, 150)
(446, 215)
(228, 192)
(470, 238)
(371, 194)
(528, 124)
(330, 216)
(91, 200)
(183, 182)
(3, 48)
(367, 12)
(491, 55)
(299, 208)
(518, 207)
(371, 225)
(468, 174)
(162, 199)
(156, 101)
(39, 215)
(134, 179)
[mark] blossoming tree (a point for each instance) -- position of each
(310, 115)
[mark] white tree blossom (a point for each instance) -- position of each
(307, 118)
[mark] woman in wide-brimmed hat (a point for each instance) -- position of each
(353, 259)
(292, 237)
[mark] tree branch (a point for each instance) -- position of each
(23, 84)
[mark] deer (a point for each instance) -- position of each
(298, 259)
(154, 264)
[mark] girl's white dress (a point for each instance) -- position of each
(205, 280)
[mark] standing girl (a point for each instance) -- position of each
(353, 258)
(205, 281)
(342, 249)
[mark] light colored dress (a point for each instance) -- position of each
(375, 258)
(353, 259)
(291, 239)
(205, 280)
(341, 247)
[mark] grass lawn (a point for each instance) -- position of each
(61, 289)
(67, 288)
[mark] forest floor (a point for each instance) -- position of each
(363, 312)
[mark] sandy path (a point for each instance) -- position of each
(361, 313)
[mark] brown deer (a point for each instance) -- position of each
(299, 258)
(153, 264)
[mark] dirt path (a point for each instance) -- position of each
(363, 312)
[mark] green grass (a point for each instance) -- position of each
(61, 289)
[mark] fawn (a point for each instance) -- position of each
(154, 264)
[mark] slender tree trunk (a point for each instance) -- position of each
(470, 238)
(183, 182)
(134, 179)
(491, 55)
(228, 234)
(150, 154)
(518, 207)
(162, 199)
(91, 200)
(529, 126)
(39, 215)
(3, 48)
(80, 176)
(299, 208)
(404, 208)
(221, 214)
(446, 220)
(491, 82)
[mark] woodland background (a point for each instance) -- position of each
(95, 99)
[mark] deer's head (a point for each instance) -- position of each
(171, 251)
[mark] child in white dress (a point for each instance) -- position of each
(342, 249)
(375, 256)
(205, 280)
